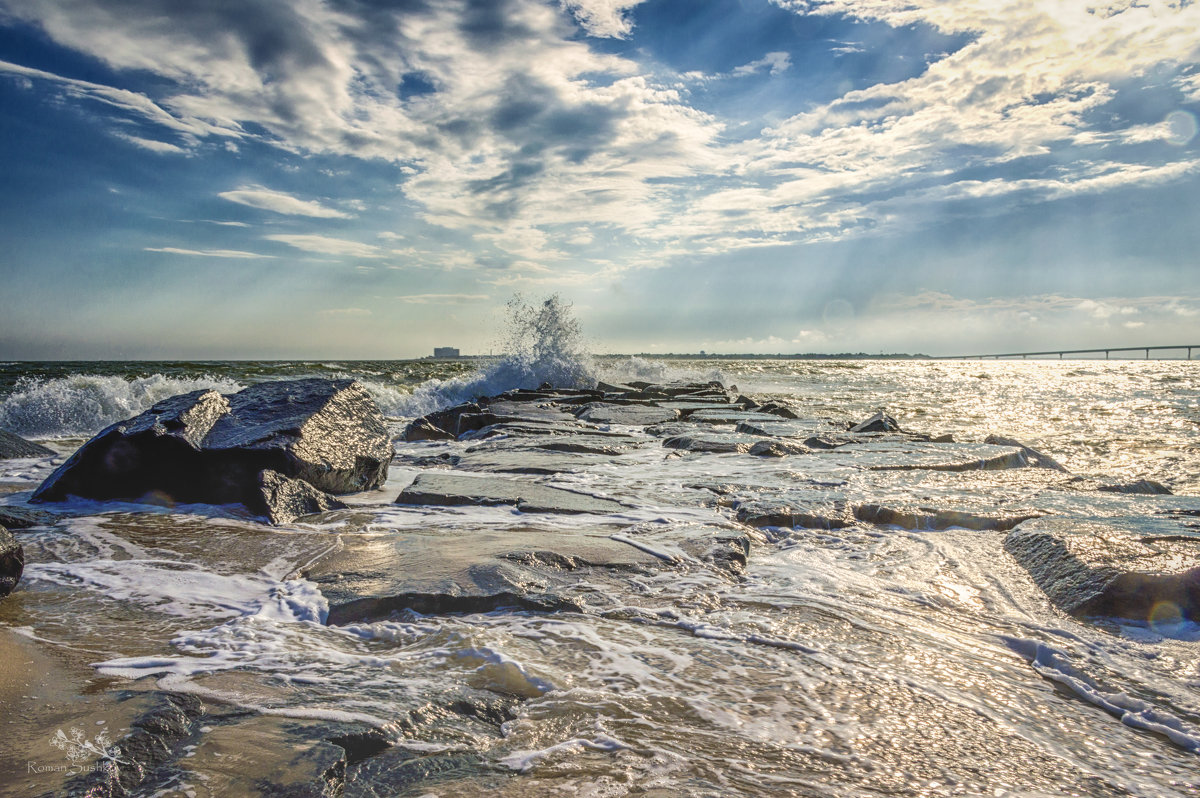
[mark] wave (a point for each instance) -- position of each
(544, 347)
(83, 404)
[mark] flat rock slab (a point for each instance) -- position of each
(627, 415)
(528, 460)
(530, 411)
(467, 570)
(443, 489)
(1136, 568)
(24, 517)
(774, 427)
(714, 443)
(914, 455)
(14, 446)
(730, 415)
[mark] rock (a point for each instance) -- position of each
(1146, 486)
(439, 425)
(910, 455)
(778, 409)
(13, 446)
(472, 569)
(628, 415)
(730, 415)
(932, 518)
(880, 422)
(284, 500)
(774, 427)
(778, 449)
(529, 497)
(205, 447)
(1132, 568)
(12, 562)
(796, 514)
(25, 517)
(1035, 458)
(716, 444)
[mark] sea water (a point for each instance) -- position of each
(845, 662)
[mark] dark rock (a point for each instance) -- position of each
(529, 497)
(1035, 458)
(12, 562)
(205, 447)
(283, 500)
(932, 518)
(746, 402)
(424, 430)
(14, 446)
(1102, 567)
(717, 444)
(778, 409)
(775, 427)
(778, 449)
(526, 460)
(156, 738)
(730, 415)
(813, 514)
(439, 425)
(1146, 486)
(25, 517)
(880, 422)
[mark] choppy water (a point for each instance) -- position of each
(856, 662)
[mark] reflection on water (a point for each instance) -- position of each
(866, 660)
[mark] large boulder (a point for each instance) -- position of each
(12, 562)
(13, 446)
(211, 448)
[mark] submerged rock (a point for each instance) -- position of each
(211, 448)
(12, 562)
(13, 446)
(1145, 486)
(528, 497)
(880, 422)
(1035, 458)
(1136, 569)
(25, 517)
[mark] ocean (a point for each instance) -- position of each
(866, 660)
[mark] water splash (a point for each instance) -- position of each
(543, 345)
(83, 404)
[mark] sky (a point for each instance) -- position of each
(207, 179)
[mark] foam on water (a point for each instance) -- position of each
(84, 404)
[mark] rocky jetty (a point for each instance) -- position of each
(218, 449)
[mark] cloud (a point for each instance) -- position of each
(442, 299)
(208, 253)
(152, 145)
(324, 245)
(279, 202)
(772, 63)
(514, 131)
(603, 18)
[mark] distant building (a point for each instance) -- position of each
(445, 351)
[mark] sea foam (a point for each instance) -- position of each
(83, 404)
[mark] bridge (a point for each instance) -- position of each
(1060, 352)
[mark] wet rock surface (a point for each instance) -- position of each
(12, 562)
(208, 447)
(1102, 567)
(14, 446)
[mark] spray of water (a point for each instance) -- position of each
(542, 345)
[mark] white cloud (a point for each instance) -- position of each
(324, 245)
(279, 202)
(208, 253)
(772, 63)
(603, 18)
(152, 145)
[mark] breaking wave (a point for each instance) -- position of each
(543, 345)
(83, 404)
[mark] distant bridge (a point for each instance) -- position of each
(1060, 352)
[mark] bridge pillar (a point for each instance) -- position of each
(1147, 353)
(1106, 354)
